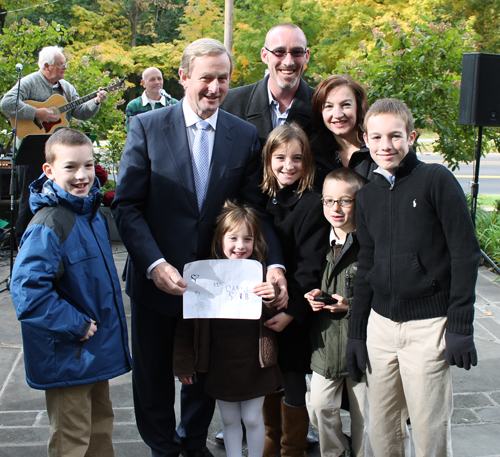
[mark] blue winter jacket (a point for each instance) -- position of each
(64, 275)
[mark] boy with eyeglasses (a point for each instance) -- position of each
(328, 331)
(413, 307)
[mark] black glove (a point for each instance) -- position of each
(356, 357)
(460, 350)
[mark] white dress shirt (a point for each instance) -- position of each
(277, 117)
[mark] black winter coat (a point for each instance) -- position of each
(303, 231)
(251, 103)
(327, 159)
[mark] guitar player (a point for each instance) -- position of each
(39, 87)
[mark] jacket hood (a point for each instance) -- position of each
(44, 192)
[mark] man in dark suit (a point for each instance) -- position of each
(282, 95)
(165, 216)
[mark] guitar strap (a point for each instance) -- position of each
(66, 97)
(64, 93)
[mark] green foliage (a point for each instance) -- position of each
(252, 20)
(487, 226)
(164, 56)
(21, 42)
(203, 19)
(483, 14)
(110, 184)
(109, 154)
(129, 36)
(421, 64)
(164, 20)
(488, 233)
(94, 27)
(86, 75)
(488, 200)
(59, 12)
(112, 56)
(152, 21)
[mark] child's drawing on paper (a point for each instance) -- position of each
(222, 289)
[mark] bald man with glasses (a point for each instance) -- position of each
(282, 95)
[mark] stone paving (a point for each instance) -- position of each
(24, 423)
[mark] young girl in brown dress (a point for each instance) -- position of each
(242, 366)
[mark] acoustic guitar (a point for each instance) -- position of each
(59, 105)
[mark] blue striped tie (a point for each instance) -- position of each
(201, 161)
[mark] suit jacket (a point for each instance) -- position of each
(251, 103)
(155, 205)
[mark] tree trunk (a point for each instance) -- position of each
(3, 16)
(228, 25)
(134, 18)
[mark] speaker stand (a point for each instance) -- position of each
(474, 187)
(475, 190)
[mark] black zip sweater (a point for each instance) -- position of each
(418, 254)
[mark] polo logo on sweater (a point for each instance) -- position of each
(415, 203)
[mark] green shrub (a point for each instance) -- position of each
(488, 233)
(488, 230)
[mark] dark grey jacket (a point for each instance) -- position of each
(35, 87)
(251, 103)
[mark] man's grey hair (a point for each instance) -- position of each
(48, 56)
(200, 48)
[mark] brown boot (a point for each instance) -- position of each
(295, 423)
(272, 419)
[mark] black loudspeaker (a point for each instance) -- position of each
(480, 92)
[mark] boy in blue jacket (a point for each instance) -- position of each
(67, 295)
(413, 307)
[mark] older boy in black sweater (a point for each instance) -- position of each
(413, 307)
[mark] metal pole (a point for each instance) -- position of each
(228, 26)
(475, 191)
(13, 183)
(475, 184)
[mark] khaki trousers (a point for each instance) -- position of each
(323, 404)
(408, 374)
(81, 421)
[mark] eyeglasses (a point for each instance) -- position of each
(341, 201)
(280, 53)
(62, 65)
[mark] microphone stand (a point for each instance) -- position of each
(13, 185)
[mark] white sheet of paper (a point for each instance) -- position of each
(222, 288)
